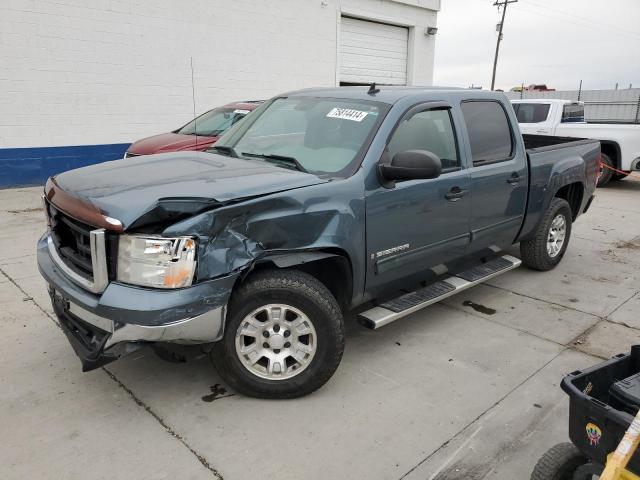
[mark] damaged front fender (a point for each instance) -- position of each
(317, 218)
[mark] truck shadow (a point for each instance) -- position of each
(186, 371)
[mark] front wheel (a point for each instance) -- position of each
(549, 243)
(560, 462)
(284, 336)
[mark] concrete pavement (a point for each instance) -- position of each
(465, 389)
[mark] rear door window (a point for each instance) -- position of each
(572, 113)
(531, 112)
(489, 131)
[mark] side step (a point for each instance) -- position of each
(408, 303)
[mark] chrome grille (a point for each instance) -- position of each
(78, 249)
(72, 241)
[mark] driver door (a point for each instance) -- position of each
(417, 226)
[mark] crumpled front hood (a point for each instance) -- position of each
(128, 189)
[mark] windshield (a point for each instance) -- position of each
(317, 135)
(213, 123)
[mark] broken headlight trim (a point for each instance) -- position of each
(156, 262)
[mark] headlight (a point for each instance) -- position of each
(156, 262)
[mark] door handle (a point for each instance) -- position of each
(455, 194)
(514, 179)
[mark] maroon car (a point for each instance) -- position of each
(199, 134)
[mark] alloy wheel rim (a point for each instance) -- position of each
(557, 235)
(276, 341)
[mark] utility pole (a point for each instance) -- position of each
(580, 90)
(498, 4)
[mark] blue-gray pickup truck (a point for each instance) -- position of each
(374, 201)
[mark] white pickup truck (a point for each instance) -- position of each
(565, 118)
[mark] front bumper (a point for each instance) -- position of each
(101, 328)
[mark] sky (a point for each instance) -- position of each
(555, 42)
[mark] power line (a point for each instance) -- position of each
(592, 21)
(585, 20)
(498, 4)
(579, 22)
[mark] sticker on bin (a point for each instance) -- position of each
(347, 114)
(594, 434)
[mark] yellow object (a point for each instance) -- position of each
(618, 460)
(620, 473)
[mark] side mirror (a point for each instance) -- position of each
(412, 165)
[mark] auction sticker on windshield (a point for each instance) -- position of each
(347, 114)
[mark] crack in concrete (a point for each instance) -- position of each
(576, 341)
(29, 298)
(205, 463)
(521, 330)
(138, 402)
(542, 300)
(624, 324)
(622, 305)
(571, 345)
(481, 415)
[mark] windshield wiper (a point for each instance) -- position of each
(225, 150)
(283, 160)
(215, 133)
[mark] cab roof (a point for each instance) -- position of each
(388, 94)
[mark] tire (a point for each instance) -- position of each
(273, 307)
(606, 175)
(535, 252)
(559, 463)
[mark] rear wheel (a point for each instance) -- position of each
(560, 462)
(284, 336)
(549, 243)
(606, 174)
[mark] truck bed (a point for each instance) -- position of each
(555, 161)
(542, 141)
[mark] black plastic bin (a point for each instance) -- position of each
(598, 419)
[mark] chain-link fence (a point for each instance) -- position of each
(609, 106)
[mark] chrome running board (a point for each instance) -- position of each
(408, 303)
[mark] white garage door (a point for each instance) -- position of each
(372, 52)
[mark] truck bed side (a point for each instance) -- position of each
(555, 163)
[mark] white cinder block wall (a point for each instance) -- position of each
(78, 72)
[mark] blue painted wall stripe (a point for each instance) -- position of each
(32, 166)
